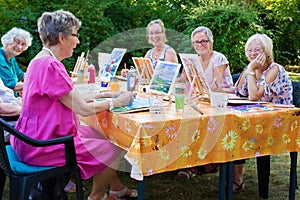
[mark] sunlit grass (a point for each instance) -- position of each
(164, 186)
(294, 76)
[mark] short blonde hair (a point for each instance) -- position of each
(161, 24)
(19, 33)
(266, 43)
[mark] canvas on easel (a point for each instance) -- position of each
(164, 77)
(194, 73)
(112, 65)
(103, 59)
(144, 68)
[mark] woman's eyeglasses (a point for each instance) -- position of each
(155, 33)
(75, 35)
(256, 50)
(202, 43)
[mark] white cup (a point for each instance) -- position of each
(218, 99)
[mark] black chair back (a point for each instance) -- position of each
(21, 185)
(296, 93)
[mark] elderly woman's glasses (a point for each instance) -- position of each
(202, 43)
(256, 50)
(75, 35)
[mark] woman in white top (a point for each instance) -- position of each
(216, 72)
(215, 66)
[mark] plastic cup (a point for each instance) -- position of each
(179, 92)
(156, 104)
(114, 85)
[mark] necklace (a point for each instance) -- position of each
(157, 53)
(49, 51)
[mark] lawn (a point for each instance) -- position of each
(164, 186)
(294, 76)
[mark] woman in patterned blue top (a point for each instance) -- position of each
(157, 37)
(14, 43)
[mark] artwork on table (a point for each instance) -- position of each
(144, 68)
(164, 77)
(138, 104)
(111, 67)
(250, 108)
(194, 72)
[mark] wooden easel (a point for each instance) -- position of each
(194, 73)
(144, 67)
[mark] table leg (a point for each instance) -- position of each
(141, 190)
(263, 174)
(293, 175)
(222, 181)
(229, 180)
(2, 182)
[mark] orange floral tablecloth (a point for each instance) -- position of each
(172, 140)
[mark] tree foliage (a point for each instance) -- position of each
(231, 21)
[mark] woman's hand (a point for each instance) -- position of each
(257, 62)
(124, 99)
(124, 72)
(214, 85)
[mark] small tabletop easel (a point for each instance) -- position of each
(144, 67)
(194, 73)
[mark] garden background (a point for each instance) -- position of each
(231, 21)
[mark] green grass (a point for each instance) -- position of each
(164, 187)
(294, 76)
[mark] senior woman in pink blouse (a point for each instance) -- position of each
(51, 104)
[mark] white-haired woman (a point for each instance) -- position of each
(215, 65)
(262, 80)
(14, 43)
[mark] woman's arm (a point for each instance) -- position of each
(79, 105)
(18, 87)
(147, 55)
(7, 109)
(218, 74)
(171, 56)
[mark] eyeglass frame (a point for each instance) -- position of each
(256, 50)
(75, 35)
(156, 33)
(202, 43)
